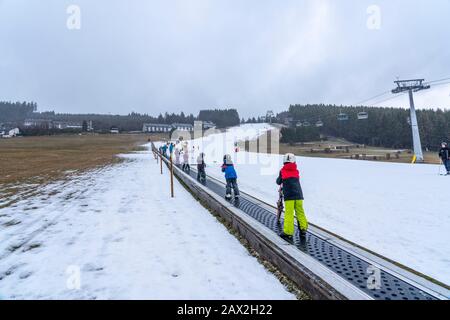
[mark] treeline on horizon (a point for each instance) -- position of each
(222, 118)
(16, 113)
(385, 127)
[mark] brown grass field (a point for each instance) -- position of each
(380, 153)
(305, 150)
(43, 159)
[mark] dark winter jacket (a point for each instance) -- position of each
(201, 166)
(444, 153)
(230, 173)
(290, 179)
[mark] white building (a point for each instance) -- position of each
(156, 127)
(61, 125)
(183, 127)
(38, 123)
(114, 130)
(9, 133)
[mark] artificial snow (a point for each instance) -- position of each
(115, 233)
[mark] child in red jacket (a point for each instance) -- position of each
(289, 178)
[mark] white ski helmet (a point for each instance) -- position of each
(227, 159)
(289, 158)
(444, 144)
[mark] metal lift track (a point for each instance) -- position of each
(347, 265)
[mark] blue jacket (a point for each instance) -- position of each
(230, 173)
(164, 150)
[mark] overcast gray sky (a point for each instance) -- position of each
(185, 55)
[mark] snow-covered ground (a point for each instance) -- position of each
(398, 210)
(115, 233)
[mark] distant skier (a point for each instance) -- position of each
(230, 177)
(201, 172)
(193, 154)
(164, 150)
(444, 154)
(289, 179)
(186, 166)
(177, 157)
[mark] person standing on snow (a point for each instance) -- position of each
(289, 179)
(201, 165)
(230, 177)
(177, 156)
(164, 150)
(171, 146)
(186, 166)
(444, 154)
(193, 154)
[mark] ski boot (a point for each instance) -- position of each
(286, 237)
(302, 233)
(228, 197)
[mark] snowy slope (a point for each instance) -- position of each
(121, 232)
(398, 210)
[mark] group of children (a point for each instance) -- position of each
(288, 179)
(170, 149)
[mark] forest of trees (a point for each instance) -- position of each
(222, 118)
(386, 127)
(17, 111)
(15, 114)
(303, 134)
(253, 120)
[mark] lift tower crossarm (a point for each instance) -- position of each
(405, 85)
(413, 85)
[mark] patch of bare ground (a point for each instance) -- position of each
(336, 149)
(30, 162)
